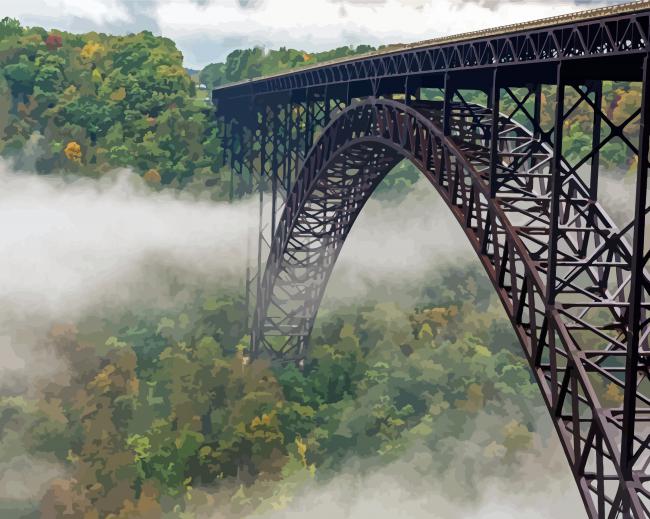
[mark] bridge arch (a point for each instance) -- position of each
(341, 171)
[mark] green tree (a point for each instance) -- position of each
(9, 27)
(21, 76)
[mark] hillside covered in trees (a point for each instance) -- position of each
(89, 103)
(250, 63)
(159, 413)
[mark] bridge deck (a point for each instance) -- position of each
(589, 14)
(604, 32)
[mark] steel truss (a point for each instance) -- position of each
(313, 146)
(623, 33)
(560, 266)
(265, 147)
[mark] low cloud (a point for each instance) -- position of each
(537, 485)
(95, 12)
(67, 246)
(399, 492)
(616, 194)
(25, 478)
(71, 249)
(319, 25)
(393, 247)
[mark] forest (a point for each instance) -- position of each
(159, 413)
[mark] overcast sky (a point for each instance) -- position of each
(207, 30)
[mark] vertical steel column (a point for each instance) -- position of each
(407, 96)
(556, 188)
(327, 101)
(239, 159)
(291, 147)
(237, 162)
(296, 144)
(309, 117)
(274, 167)
(235, 171)
(225, 145)
(226, 149)
(260, 119)
(495, 98)
(288, 145)
(555, 215)
(446, 108)
(233, 127)
(250, 150)
(537, 113)
(247, 166)
(536, 122)
(597, 89)
(636, 286)
(260, 241)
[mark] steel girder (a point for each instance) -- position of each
(563, 270)
(573, 283)
(611, 36)
(265, 146)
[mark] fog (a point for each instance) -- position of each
(394, 246)
(73, 249)
(77, 248)
(537, 485)
(24, 477)
(68, 246)
(70, 249)
(403, 490)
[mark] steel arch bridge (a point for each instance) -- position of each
(483, 117)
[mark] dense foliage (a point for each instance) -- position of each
(89, 103)
(251, 63)
(163, 412)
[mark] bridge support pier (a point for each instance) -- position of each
(267, 145)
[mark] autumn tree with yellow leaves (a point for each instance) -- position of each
(72, 152)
